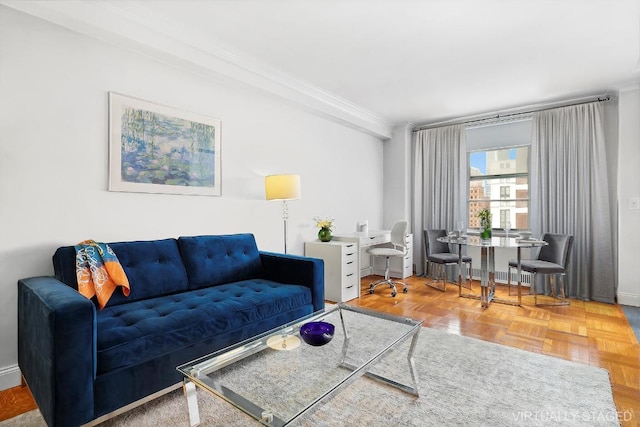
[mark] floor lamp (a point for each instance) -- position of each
(282, 187)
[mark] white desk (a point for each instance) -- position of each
(398, 268)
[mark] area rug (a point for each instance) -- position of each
(463, 381)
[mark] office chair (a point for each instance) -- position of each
(399, 241)
(552, 261)
(439, 253)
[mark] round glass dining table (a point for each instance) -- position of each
(487, 264)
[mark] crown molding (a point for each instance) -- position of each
(144, 33)
(629, 86)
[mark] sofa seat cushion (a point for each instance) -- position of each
(136, 332)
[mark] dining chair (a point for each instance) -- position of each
(552, 261)
(439, 253)
(399, 249)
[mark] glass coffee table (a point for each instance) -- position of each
(276, 377)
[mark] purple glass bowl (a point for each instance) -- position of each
(317, 333)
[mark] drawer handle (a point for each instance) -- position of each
(372, 238)
(350, 274)
(350, 262)
(350, 254)
(349, 246)
(349, 287)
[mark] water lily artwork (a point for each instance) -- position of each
(159, 149)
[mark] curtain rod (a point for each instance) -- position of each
(503, 115)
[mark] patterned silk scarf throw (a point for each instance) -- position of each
(99, 272)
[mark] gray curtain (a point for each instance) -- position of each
(570, 194)
(440, 182)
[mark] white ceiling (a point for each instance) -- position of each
(411, 60)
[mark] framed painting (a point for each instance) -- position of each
(158, 149)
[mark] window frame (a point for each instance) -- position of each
(513, 202)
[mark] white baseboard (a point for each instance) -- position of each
(625, 298)
(10, 376)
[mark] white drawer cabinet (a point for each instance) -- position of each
(365, 241)
(341, 278)
(398, 268)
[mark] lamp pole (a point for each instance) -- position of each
(285, 217)
(283, 187)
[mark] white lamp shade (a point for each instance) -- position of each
(282, 187)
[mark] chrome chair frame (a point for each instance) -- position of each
(441, 258)
(552, 261)
(398, 240)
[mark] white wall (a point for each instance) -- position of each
(398, 176)
(628, 188)
(54, 145)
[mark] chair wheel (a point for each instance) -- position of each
(371, 291)
(393, 294)
(405, 290)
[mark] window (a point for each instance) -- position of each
(505, 191)
(504, 217)
(499, 181)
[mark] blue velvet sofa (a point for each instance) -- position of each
(189, 296)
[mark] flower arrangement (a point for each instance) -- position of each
(485, 216)
(485, 223)
(326, 223)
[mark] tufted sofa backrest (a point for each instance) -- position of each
(215, 260)
(153, 268)
(162, 267)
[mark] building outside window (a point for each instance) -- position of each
(499, 181)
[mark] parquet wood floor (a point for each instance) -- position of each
(15, 401)
(586, 332)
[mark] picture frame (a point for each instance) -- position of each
(155, 148)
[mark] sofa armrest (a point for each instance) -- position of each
(57, 349)
(298, 270)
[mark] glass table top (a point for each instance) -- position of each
(275, 377)
(501, 242)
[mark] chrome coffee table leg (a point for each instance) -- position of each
(345, 343)
(412, 367)
(192, 402)
(413, 389)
